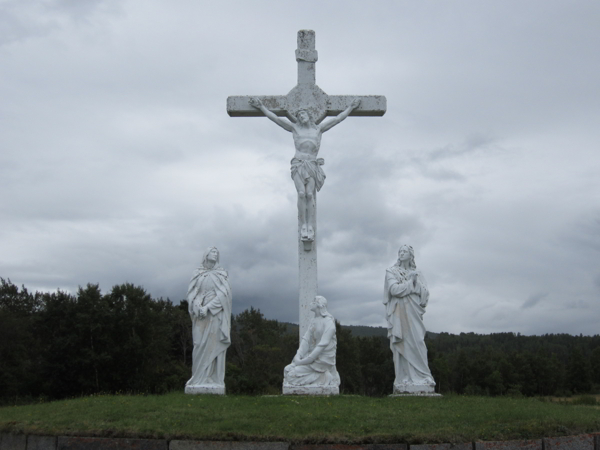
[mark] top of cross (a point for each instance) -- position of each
(306, 94)
(306, 56)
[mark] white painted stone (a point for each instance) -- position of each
(405, 298)
(310, 390)
(411, 388)
(205, 389)
(307, 128)
(209, 304)
(307, 174)
(307, 275)
(313, 371)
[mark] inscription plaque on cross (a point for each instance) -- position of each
(302, 112)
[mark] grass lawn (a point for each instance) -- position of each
(341, 419)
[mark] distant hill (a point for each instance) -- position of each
(364, 331)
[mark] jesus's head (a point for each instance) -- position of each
(303, 116)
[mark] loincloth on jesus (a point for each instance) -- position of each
(307, 169)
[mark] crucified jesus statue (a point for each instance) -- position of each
(306, 168)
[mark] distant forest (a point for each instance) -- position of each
(59, 345)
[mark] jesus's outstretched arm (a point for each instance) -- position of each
(283, 123)
(341, 116)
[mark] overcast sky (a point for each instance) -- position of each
(119, 163)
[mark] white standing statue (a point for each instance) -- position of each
(405, 298)
(209, 299)
(313, 372)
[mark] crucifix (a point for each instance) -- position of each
(302, 112)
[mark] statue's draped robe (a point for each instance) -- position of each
(405, 306)
(308, 169)
(211, 335)
(321, 372)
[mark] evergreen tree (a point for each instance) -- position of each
(578, 372)
(348, 361)
(595, 364)
(18, 342)
(260, 349)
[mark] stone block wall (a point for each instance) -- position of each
(32, 442)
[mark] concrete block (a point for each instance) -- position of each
(13, 441)
(41, 442)
(89, 443)
(581, 442)
(227, 445)
(463, 446)
(510, 445)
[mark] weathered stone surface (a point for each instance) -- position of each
(227, 445)
(280, 105)
(350, 447)
(405, 296)
(306, 98)
(581, 442)
(13, 441)
(209, 304)
(312, 371)
(239, 106)
(208, 389)
(310, 390)
(306, 171)
(370, 105)
(405, 388)
(463, 446)
(510, 445)
(89, 443)
(41, 442)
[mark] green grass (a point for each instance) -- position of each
(342, 419)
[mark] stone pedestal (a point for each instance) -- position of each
(419, 390)
(310, 390)
(409, 388)
(205, 389)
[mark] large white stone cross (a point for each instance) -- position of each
(310, 97)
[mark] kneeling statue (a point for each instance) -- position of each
(313, 372)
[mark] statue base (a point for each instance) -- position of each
(406, 389)
(288, 389)
(211, 389)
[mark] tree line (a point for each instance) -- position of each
(59, 345)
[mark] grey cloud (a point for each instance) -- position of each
(17, 23)
(597, 281)
(119, 162)
(20, 21)
(534, 300)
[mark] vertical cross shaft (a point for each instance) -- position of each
(308, 283)
(306, 56)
